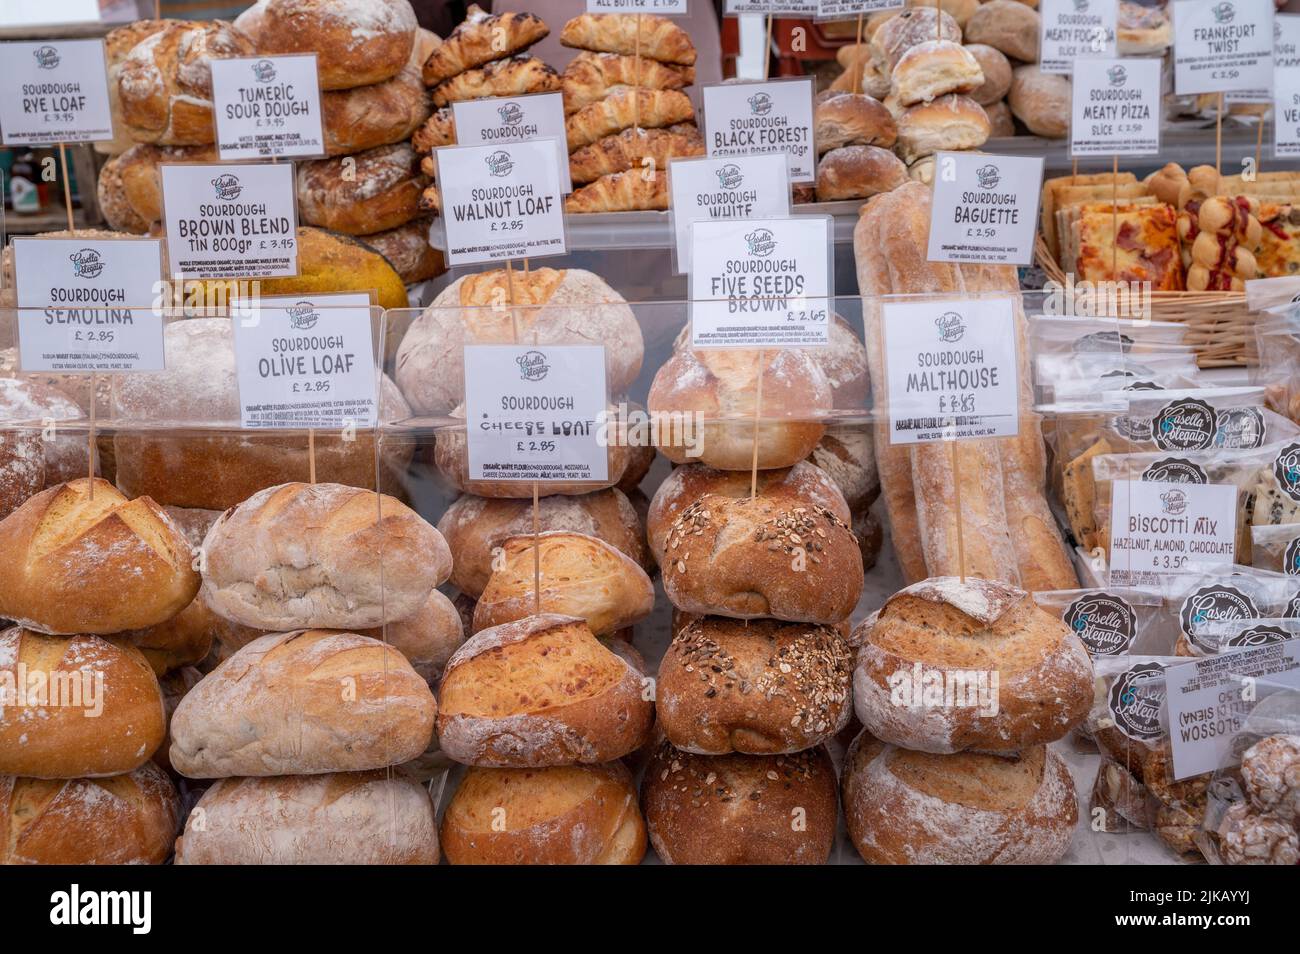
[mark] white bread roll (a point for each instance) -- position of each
(303, 703)
(1002, 124)
(344, 818)
(564, 306)
(847, 119)
(121, 820)
(898, 34)
(967, 809)
(933, 68)
(949, 123)
(321, 555)
(856, 172)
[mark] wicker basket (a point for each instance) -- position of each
(1219, 326)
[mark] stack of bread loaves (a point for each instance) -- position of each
(85, 570)
(301, 724)
(627, 112)
(960, 685)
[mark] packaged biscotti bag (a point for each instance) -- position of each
(1276, 548)
(1112, 621)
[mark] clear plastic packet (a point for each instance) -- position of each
(1276, 548)
(1111, 621)
(1057, 377)
(1277, 362)
(1223, 636)
(1197, 419)
(1226, 595)
(1051, 334)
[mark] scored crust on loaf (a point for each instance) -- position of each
(373, 191)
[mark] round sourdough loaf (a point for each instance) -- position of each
(857, 172)
(428, 638)
(802, 485)
(752, 557)
(321, 555)
(407, 249)
(341, 818)
(952, 122)
(1009, 26)
(740, 809)
(848, 119)
(1040, 100)
(997, 73)
(972, 808)
(991, 669)
(368, 116)
(933, 68)
(900, 33)
(720, 388)
(847, 454)
(357, 42)
(844, 362)
(476, 527)
(128, 819)
(117, 44)
(82, 558)
(183, 640)
(1001, 123)
(86, 706)
(373, 191)
(303, 703)
(540, 691)
(554, 307)
(761, 687)
(562, 815)
(580, 576)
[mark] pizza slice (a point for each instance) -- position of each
(1141, 241)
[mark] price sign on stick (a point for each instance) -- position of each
(1222, 45)
(54, 91)
(21, 13)
(985, 208)
(230, 221)
(307, 362)
(496, 122)
(267, 106)
(746, 187)
(761, 283)
(1075, 30)
(746, 119)
(1116, 108)
(1160, 528)
(84, 297)
(533, 412)
(501, 202)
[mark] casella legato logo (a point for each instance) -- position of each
(532, 366)
(1175, 470)
(1291, 558)
(47, 57)
(1135, 700)
(1217, 603)
(86, 263)
(951, 327)
(760, 242)
(499, 163)
(988, 176)
(302, 316)
(1117, 75)
(730, 176)
(760, 104)
(1240, 428)
(1173, 502)
(1186, 424)
(512, 114)
(264, 71)
(1080, 6)
(1105, 623)
(1286, 470)
(1224, 12)
(1262, 635)
(227, 187)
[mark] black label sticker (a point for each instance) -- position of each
(1185, 424)
(1175, 470)
(1136, 699)
(1105, 623)
(1213, 604)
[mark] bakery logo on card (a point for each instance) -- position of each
(302, 316)
(1224, 13)
(512, 114)
(499, 163)
(264, 71)
(761, 242)
(760, 104)
(1187, 424)
(1291, 559)
(1214, 604)
(1240, 428)
(988, 176)
(951, 327)
(532, 366)
(86, 263)
(1286, 469)
(1173, 502)
(1104, 623)
(1175, 470)
(1117, 75)
(1080, 6)
(1256, 636)
(47, 57)
(730, 176)
(1136, 698)
(227, 187)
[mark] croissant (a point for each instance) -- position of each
(621, 192)
(481, 39)
(660, 39)
(627, 149)
(438, 130)
(514, 77)
(648, 108)
(590, 76)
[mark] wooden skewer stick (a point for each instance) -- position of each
(956, 495)
(767, 49)
(1218, 136)
(311, 455)
(537, 552)
(90, 437)
(67, 185)
(858, 64)
(1114, 218)
(758, 412)
(1259, 146)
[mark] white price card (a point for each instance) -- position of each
(91, 304)
(1159, 529)
(1116, 108)
(985, 208)
(307, 361)
(1209, 700)
(230, 221)
(501, 202)
(952, 369)
(267, 106)
(1222, 45)
(746, 187)
(535, 412)
(792, 8)
(16, 13)
(1286, 53)
(54, 91)
(1286, 122)
(761, 283)
(842, 9)
(746, 119)
(663, 8)
(495, 122)
(1075, 30)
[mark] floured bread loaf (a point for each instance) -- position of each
(357, 42)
